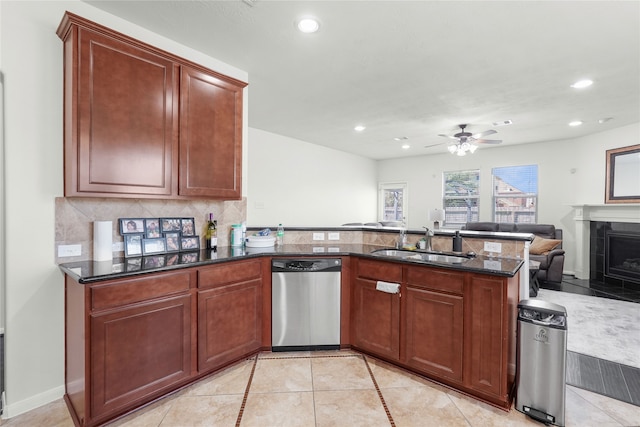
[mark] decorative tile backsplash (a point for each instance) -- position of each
(75, 217)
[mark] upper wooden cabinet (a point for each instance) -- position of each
(210, 125)
(140, 122)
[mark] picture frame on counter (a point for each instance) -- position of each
(154, 246)
(131, 225)
(132, 245)
(188, 227)
(189, 243)
(173, 241)
(152, 228)
(170, 224)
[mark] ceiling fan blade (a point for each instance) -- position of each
(485, 133)
(488, 141)
(434, 145)
(448, 136)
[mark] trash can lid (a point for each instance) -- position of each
(537, 304)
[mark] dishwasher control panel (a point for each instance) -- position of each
(303, 264)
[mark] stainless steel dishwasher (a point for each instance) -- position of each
(305, 304)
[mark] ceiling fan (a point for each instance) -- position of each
(465, 141)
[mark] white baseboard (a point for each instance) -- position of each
(33, 402)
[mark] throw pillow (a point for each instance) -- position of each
(542, 246)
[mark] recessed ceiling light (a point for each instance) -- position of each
(308, 24)
(405, 146)
(400, 138)
(605, 120)
(575, 123)
(581, 84)
(502, 123)
(359, 128)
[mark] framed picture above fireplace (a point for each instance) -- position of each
(623, 175)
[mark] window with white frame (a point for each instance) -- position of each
(461, 197)
(515, 194)
(392, 201)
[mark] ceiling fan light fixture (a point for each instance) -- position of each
(452, 148)
(473, 148)
(575, 123)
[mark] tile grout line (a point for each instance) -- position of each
(246, 391)
(375, 383)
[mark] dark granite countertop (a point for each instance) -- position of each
(96, 271)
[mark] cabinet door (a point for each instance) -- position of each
(229, 323)
(210, 135)
(486, 350)
(126, 140)
(434, 332)
(376, 319)
(139, 352)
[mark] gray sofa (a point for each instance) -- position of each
(551, 262)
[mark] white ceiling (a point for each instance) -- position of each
(416, 69)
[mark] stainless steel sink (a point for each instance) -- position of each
(449, 259)
(419, 256)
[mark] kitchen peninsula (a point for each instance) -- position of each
(134, 336)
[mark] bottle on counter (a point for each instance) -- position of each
(244, 233)
(211, 235)
(457, 242)
(280, 235)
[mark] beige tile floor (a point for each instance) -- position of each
(332, 389)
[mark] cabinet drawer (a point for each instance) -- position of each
(379, 270)
(222, 274)
(124, 292)
(441, 280)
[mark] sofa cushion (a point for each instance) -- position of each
(548, 231)
(481, 226)
(541, 246)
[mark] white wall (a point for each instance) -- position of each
(31, 63)
(569, 172)
(301, 184)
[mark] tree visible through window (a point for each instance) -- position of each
(392, 201)
(515, 194)
(461, 196)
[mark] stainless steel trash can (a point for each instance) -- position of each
(542, 355)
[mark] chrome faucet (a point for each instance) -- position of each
(428, 234)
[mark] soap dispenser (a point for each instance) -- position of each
(457, 242)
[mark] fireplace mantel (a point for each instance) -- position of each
(584, 214)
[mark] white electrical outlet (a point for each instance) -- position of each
(334, 236)
(331, 249)
(318, 249)
(117, 247)
(493, 247)
(69, 250)
(318, 236)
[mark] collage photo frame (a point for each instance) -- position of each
(155, 237)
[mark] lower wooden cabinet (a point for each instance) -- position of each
(457, 328)
(229, 313)
(132, 340)
(375, 314)
(139, 351)
(434, 332)
(488, 353)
